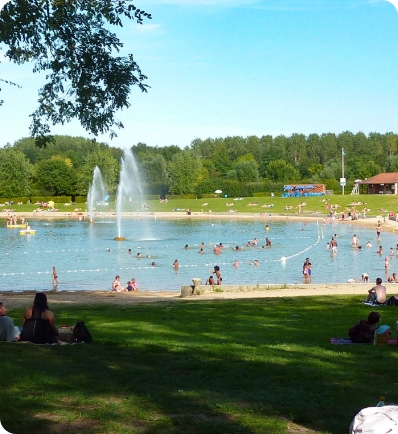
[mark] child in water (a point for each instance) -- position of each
(55, 276)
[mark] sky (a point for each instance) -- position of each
(219, 68)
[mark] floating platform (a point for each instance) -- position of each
(27, 232)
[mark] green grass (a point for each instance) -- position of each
(243, 366)
(314, 204)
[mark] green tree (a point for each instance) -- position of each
(185, 173)
(15, 173)
(108, 165)
(392, 164)
(55, 177)
(154, 169)
(279, 170)
(391, 142)
(72, 43)
(247, 171)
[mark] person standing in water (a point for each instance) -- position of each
(55, 277)
(217, 272)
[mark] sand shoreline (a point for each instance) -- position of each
(25, 298)
(369, 222)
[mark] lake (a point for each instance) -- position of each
(87, 257)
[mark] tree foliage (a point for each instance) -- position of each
(55, 177)
(185, 172)
(15, 173)
(108, 165)
(71, 41)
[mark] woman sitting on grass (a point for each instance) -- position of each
(38, 323)
(363, 331)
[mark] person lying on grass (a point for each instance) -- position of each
(364, 330)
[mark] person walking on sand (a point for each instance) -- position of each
(55, 277)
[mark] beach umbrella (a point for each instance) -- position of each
(218, 191)
(288, 187)
(358, 180)
(310, 186)
(300, 187)
(106, 197)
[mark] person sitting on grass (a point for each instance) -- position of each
(8, 332)
(39, 323)
(364, 330)
(378, 293)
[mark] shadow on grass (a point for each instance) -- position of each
(247, 366)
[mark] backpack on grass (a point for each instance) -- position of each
(81, 332)
(392, 301)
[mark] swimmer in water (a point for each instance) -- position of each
(354, 241)
(236, 263)
(55, 277)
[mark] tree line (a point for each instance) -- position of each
(237, 165)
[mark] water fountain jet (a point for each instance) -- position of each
(129, 188)
(96, 192)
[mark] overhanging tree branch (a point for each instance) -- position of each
(70, 40)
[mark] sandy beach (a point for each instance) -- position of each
(25, 299)
(369, 222)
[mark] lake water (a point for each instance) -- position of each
(80, 252)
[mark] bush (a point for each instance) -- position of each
(180, 196)
(56, 199)
(15, 200)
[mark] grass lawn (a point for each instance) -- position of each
(314, 204)
(236, 366)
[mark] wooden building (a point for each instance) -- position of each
(383, 183)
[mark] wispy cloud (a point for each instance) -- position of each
(147, 28)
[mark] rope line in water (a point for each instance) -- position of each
(211, 243)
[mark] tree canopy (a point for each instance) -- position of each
(71, 41)
(238, 166)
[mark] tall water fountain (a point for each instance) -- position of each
(96, 193)
(129, 188)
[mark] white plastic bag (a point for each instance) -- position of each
(376, 420)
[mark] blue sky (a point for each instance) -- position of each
(221, 68)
